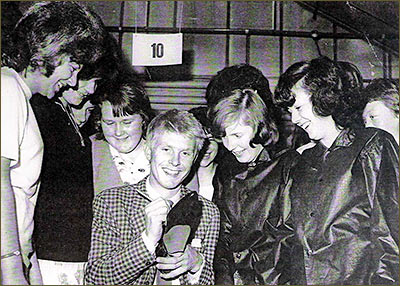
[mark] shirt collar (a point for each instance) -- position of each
(264, 156)
(140, 157)
(314, 155)
(154, 194)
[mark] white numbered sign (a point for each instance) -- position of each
(157, 49)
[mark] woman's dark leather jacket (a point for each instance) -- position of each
(253, 231)
(345, 211)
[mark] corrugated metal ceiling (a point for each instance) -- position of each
(376, 21)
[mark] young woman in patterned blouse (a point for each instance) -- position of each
(118, 148)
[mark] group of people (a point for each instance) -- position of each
(99, 188)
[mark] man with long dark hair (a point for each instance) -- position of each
(50, 44)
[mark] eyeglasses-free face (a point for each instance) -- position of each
(124, 133)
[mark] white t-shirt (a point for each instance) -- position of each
(22, 144)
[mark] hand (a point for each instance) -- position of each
(190, 260)
(155, 214)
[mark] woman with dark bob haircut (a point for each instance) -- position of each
(118, 147)
(333, 90)
(344, 190)
(252, 199)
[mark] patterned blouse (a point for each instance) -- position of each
(131, 171)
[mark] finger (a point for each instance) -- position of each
(160, 211)
(169, 204)
(160, 205)
(169, 259)
(157, 219)
(174, 273)
(169, 266)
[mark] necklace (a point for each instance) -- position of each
(68, 111)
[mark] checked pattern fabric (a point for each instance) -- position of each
(118, 255)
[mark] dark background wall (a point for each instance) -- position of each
(270, 35)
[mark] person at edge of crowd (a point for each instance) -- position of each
(251, 202)
(121, 121)
(204, 178)
(50, 43)
(241, 76)
(382, 106)
(128, 220)
(344, 190)
(352, 75)
(63, 210)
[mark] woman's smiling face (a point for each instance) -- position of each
(237, 140)
(124, 133)
(303, 115)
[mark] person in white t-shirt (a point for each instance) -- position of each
(50, 42)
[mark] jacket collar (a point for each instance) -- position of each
(144, 193)
(264, 156)
(317, 154)
(344, 139)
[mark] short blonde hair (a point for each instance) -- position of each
(245, 105)
(176, 121)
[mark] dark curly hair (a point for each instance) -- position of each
(334, 88)
(51, 29)
(107, 66)
(238, 76)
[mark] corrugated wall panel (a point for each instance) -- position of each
(181, 95)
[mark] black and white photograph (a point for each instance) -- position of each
(200, 143)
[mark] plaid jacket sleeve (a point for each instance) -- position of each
(118, 255)
(207, 232)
